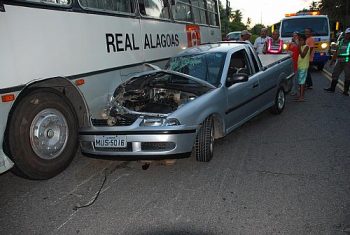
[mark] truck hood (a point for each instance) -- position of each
(155, 94)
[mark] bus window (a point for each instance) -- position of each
(124, 6)
(154, 8)
(182, 11)
(198, 9)
(51, 2)
(212, 12)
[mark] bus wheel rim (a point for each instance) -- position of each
(49, 134)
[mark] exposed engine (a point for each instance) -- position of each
(153, 100)
(155, 95)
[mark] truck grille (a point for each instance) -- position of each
(125, 120)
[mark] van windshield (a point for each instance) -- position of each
(318, 25)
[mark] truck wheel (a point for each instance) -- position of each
(280, 102)
(204, 146)
(320, 67)
(42, 135)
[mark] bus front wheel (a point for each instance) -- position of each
(43, 134)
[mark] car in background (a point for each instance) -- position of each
(233, 36)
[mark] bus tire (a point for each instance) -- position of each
(42, 134)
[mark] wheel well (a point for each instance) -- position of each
(218, 126)
(61, 86)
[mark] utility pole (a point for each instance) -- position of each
(347, 14)
(227, 16)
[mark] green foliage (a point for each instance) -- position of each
(231, 20)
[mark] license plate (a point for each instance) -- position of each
(110, 141)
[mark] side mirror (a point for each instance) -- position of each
(236, 78)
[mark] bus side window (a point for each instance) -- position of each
(154, 8)
(124, 6)
(182, 10)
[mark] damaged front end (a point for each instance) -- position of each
(142, 118)
(153, 97)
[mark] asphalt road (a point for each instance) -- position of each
(285, 174)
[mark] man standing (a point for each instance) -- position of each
(310, 42)
(245, 36)
(342, 55)
(273, 45)
(260, 41)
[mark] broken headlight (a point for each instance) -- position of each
(159, 121)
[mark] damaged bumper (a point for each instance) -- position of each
(135, 142)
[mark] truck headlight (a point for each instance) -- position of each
(324, 45)
(159, 121)
(154, 121)
(171, 122)
(285, 46)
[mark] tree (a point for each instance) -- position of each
(249, 21)
(257, 29)
(231, 20)
(337, 10)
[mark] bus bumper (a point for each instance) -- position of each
(320, 58)
(5, 163)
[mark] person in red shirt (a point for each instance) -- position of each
(310, 42)
(293, 49)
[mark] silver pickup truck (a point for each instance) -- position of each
(204, 93)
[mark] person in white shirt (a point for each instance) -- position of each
(260, 41)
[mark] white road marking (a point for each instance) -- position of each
(328, 75)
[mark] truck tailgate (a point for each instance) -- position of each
(269, 60)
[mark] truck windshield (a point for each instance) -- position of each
(205, 66)
(318, 25)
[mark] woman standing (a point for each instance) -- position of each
(293, 49)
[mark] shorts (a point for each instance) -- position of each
(302, 74)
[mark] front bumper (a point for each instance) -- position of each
(147, 143)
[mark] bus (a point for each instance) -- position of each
(319, 24)
(60, 61)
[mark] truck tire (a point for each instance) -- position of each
(42, 134)
(280, 102)
(204, 146)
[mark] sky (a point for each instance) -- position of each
(267, 11)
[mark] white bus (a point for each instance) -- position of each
(60, 61)
(319, 24)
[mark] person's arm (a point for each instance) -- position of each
(265, 48)
(256, 43)
(304, 52)
(311, 45)
(334, 56)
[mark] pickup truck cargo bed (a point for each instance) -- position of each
(269, 60)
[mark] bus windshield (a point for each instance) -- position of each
(318, 25)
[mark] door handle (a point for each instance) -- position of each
(255, 84)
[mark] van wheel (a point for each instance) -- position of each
(42, 135)
(280, 102)
(204, 146)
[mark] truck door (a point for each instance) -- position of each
(241, 97)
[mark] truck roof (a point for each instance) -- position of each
(213, 47)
